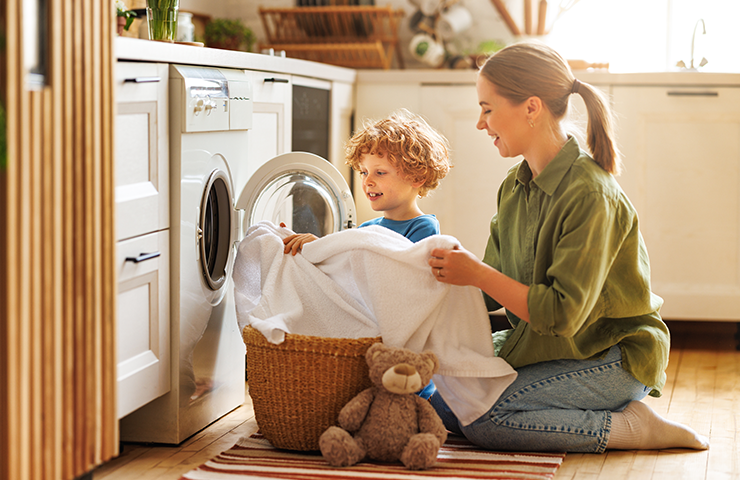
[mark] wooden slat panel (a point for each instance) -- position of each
(54, 226)
(57, 286)
(68, 191)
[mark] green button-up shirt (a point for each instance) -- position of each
(572, 235)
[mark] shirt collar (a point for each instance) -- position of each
(549, 179)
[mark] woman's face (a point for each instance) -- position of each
(504, 122)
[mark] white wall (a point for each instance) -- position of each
(631, 35)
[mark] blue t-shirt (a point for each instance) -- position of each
(416, 229)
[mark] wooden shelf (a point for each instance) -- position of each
(347, 36)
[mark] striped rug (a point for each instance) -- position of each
(254, 458)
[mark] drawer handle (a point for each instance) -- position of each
(141, 80)
(277, 80)
(693, 94)
(143, 257)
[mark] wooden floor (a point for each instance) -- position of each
(703, 391)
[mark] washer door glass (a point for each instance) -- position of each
(304, 203)
(214, 229)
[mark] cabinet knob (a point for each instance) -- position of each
(143, 257)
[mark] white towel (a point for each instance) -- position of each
(368, 282)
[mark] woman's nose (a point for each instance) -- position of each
(481, 125)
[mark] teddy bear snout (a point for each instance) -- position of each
(402, 378)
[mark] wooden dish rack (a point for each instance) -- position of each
(347, 36)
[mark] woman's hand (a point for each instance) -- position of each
(460, 267)
(457, 266)
(294, 243)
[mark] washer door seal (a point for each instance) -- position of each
(214, 229)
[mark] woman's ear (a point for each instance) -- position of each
(533, 107)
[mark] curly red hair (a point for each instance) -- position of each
(417, 150)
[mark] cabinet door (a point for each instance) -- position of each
(271, 128)
(143, 321)
(681, 149)
(141, 149)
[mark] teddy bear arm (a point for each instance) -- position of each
(354, 412)
(429, 421)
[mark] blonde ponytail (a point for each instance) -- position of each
(600, 130)
(532, 69)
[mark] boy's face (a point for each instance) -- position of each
(386, 188)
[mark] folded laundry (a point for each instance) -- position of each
(368, 282)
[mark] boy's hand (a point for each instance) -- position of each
(295, 243)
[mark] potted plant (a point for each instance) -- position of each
(228, 34)
(124, 16)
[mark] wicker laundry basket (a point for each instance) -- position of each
(299, 387)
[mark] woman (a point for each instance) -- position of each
(565, 258)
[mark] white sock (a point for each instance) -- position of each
(638, 427)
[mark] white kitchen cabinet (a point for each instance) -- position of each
(141, 147)
(681, 149)
(142, 231)
(270, 134)
(142, 328)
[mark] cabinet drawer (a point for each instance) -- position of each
(143, 323)
(141, 149)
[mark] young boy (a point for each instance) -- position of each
(400, 159)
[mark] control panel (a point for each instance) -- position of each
(213, 99)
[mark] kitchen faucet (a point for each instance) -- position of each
(703, 61)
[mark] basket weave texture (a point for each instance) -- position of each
(299, 387)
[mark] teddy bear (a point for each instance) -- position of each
(388, 422)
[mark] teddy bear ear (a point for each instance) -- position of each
(375, 350)
(431, 359)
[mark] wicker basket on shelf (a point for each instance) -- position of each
(347, 36)
(299, 387)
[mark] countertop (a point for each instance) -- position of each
(134, 49)
(595, 77)
(139, 50)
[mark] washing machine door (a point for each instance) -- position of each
(302, 190)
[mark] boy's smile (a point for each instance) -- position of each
(387, 189)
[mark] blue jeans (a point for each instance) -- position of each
(562, 406)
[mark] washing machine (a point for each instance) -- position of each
(210, 116)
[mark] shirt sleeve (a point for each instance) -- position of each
(591, 234)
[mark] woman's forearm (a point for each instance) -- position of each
(511, 294)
